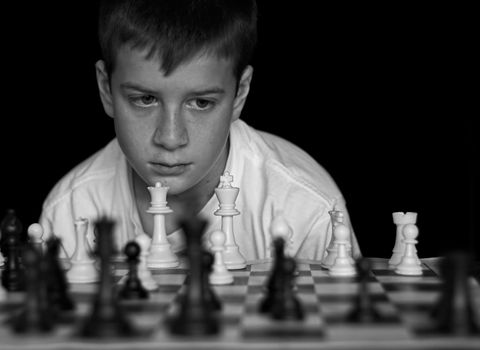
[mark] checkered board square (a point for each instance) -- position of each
(404, 303)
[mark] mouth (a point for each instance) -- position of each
(165, 169)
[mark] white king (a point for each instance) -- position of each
(227, 195)
(160, 255)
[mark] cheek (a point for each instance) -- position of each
(218, 138)
(133, 137)
(133, 129)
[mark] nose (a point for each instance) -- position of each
(170, 132)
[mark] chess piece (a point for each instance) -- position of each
(211, 297)
(285, 305)
(13, 272)
(336, 217)
(220, 273)
(82, 269)
(227, 195)
(409, 263)
(3, 293)
(280, 301)
(280, 228)
(107, 318)
(144, 273)
(400, 220)
(35, 315)
(274, 280)
(11, 223)
(160, 254)
(2, 258)
(342, 266)
(57, 286)
(364, 310)
(133, 288)
(454, 312)
(196, 314)
(35, 233)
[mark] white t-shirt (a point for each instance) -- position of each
(273, 176)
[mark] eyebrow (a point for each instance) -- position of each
(133, 86)
(207, 91)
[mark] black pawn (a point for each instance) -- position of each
(454, 312)
(210, 295)
(275, 280)
(35, 315)
(57, 285)
(107, 318)
(285, 304)
(133, 288)
(195, 316)
(363, 310)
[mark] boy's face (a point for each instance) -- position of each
(173, 129)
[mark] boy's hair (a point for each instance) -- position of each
(177, 30)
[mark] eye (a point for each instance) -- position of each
(200, 104)
(144, 100)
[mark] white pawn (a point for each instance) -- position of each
(35, 233)
(3, 293)
(2, 258)
(220, 273)
(342, 266)
(409, 263)
(82, 269)
(144, 273)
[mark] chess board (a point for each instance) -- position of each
(404, 302)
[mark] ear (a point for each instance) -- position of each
(242, 92)
(103, 83)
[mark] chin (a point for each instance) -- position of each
(175, 186)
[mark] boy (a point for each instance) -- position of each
(174, 77)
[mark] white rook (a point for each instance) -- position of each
(82, 268)
(400, 220)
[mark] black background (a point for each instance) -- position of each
(381, 95)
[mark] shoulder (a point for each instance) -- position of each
(287, 166)
(95, 187)
(92, 173)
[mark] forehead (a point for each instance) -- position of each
(132, 64)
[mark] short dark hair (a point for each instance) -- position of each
(177, 30)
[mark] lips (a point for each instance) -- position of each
(166, 169)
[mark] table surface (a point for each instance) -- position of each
(404, 302)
